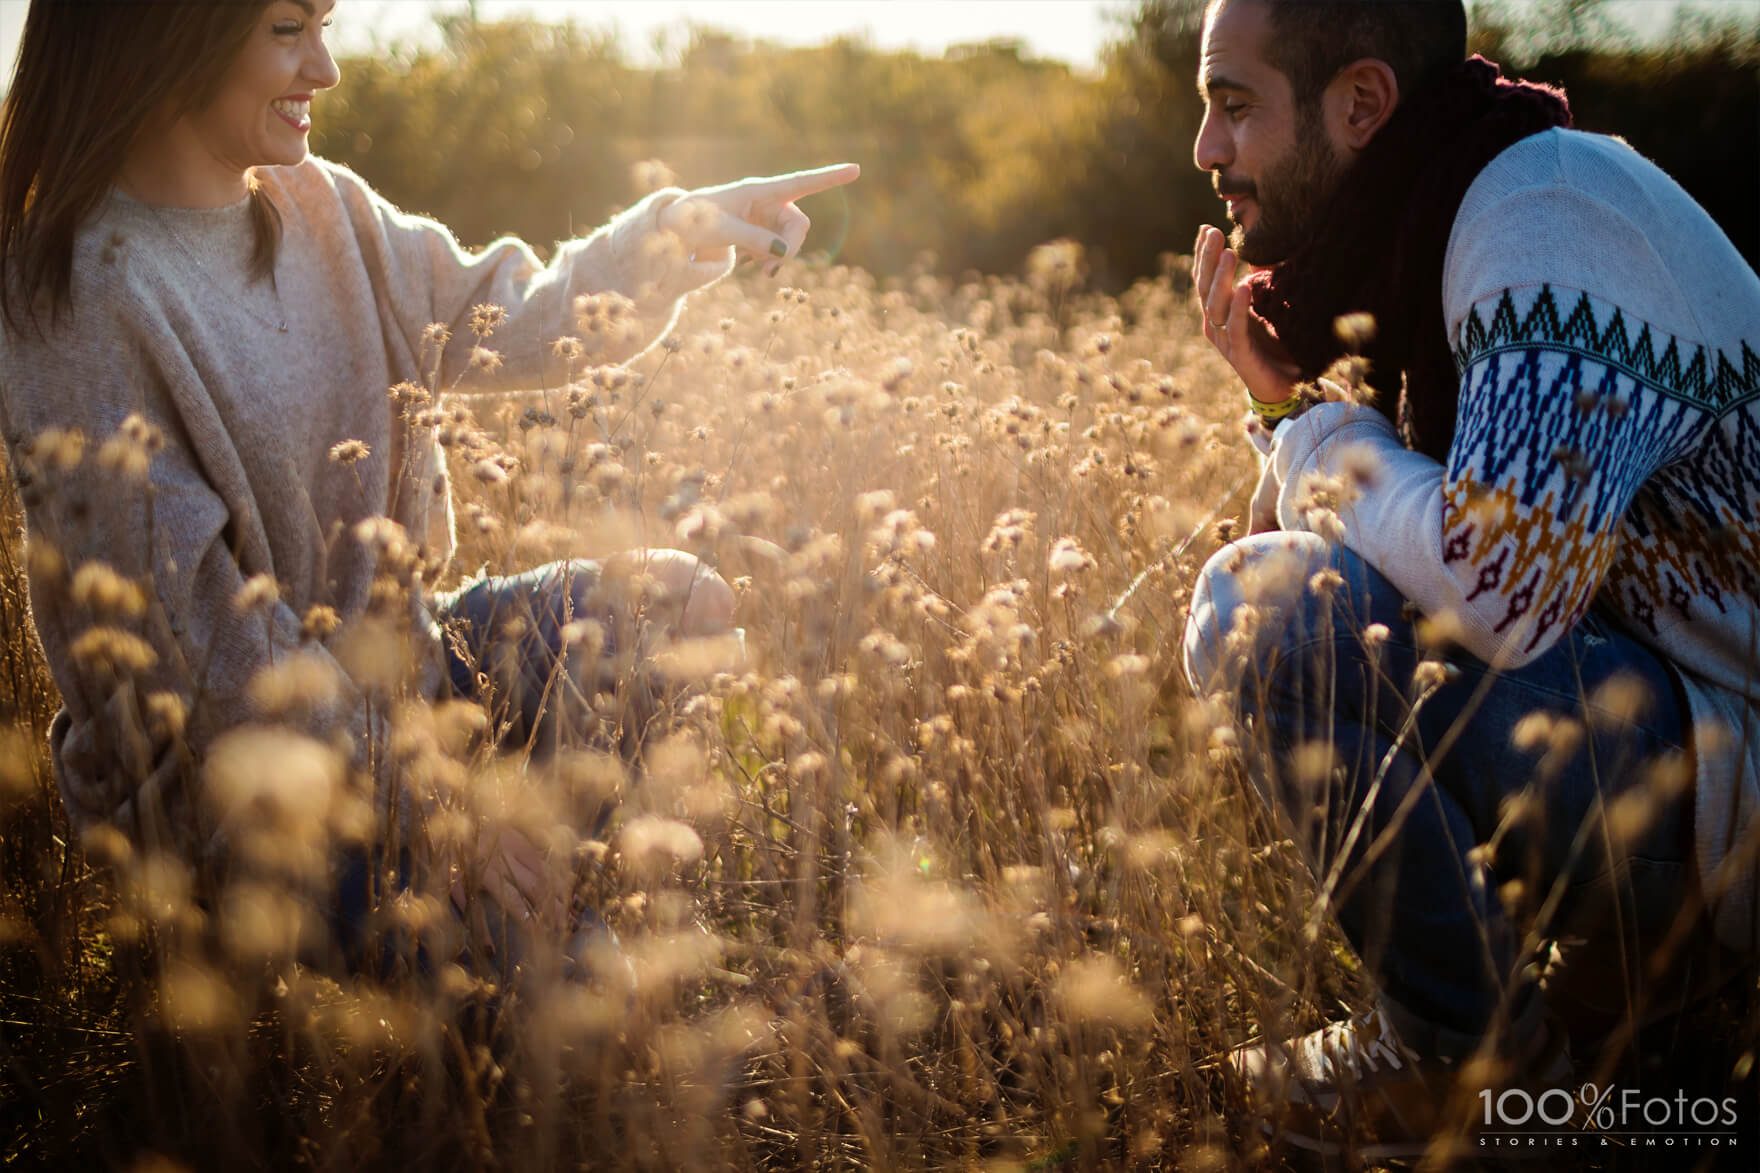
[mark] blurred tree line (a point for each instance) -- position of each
(970, 158)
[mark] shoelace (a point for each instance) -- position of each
(1366, 1041)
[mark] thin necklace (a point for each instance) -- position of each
(177, 239)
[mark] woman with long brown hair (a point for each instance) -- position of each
(217, 349)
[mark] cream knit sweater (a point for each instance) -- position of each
(167, 325)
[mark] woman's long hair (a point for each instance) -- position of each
(90, 73)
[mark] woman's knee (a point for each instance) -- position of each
(694, 598)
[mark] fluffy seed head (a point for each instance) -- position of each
(103, 592)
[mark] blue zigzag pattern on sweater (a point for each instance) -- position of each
(1576, 421)
(1706, 377)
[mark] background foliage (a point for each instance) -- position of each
(975, 156)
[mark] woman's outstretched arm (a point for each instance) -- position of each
(616, 291)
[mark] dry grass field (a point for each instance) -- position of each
(947, 871)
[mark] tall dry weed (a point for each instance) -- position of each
(939, 867)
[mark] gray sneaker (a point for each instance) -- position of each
(1356, 1087)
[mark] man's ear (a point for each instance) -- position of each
(1359, 101)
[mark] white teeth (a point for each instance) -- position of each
(294, 110)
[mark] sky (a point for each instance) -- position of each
(1069, 30)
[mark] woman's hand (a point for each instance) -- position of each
(519, 878)
(1230, 326)
(753, 216)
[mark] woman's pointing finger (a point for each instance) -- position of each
(796, 184)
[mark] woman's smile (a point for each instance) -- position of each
(295, 110)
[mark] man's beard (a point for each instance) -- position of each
(1288, 196)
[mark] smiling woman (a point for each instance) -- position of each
(257, 115)
(251, 344)
(63, 144)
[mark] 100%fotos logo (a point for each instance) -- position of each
(1609, 1109)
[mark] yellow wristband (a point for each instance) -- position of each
(1272, 412)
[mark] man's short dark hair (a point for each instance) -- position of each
(1311, 40)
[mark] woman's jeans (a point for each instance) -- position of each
(1445, 798)
(512, 631)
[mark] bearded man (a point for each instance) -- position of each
(1497, 649)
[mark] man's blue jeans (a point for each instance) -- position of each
(1413, 787)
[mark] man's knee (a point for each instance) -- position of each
(1251, 598)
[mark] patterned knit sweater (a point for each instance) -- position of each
(167, 325)
(1607, 450)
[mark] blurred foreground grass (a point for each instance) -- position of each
(951, 872)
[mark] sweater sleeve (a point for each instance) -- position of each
(427, 279)
(1555, 438)
(153, 632)
(1569, 329)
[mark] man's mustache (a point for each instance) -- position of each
(1226, 187)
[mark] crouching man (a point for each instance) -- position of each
(1496, 645)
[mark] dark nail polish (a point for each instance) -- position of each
(778, 248)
